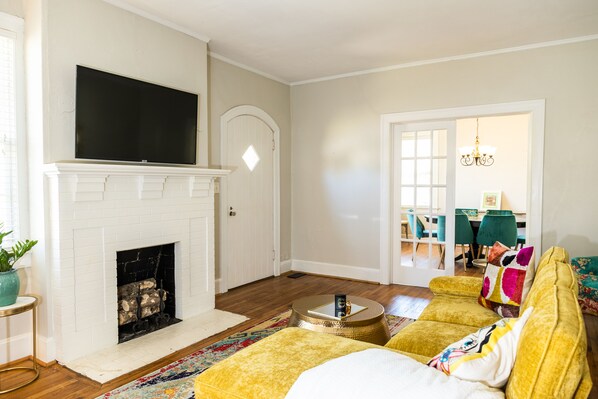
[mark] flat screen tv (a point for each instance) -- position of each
(123, 119)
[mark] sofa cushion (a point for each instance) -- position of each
(505, 278)
(268, 368)
(551, 360)
(456, 286)
(427, 338)
(458, 310)
(552, 274)
(553, 254)
(485, 356)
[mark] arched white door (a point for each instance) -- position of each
(249, 206)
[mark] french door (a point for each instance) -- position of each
(423, 172)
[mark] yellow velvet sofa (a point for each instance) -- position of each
(551, 358)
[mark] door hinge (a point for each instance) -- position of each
(273, 145)
(273, 254)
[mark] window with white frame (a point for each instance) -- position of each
(11, 29)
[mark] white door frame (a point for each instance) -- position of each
(535, 166)
(231, 114)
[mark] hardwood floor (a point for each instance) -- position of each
(258, 301)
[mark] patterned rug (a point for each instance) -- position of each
(175, 381)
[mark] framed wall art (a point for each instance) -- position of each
(490, 200)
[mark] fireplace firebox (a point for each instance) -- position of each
(146, 288)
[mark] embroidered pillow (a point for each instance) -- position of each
(485, 356)
(506, 279)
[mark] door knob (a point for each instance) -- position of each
(231, 212)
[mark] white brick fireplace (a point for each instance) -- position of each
(99, 209)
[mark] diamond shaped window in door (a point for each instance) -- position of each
(251, 158)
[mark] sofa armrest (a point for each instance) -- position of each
(457, 286)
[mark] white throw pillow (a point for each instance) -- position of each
(486, 356)
(382, 373)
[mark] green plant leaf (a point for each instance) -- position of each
(21, 248)
(8, 258)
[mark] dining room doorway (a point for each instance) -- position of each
(391, 228)
(501, 183)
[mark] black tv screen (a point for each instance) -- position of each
(123, 119)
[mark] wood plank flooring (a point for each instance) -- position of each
(258, 301)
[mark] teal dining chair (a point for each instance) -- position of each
(441, 235)
(520, 241)
(463, 235)
(418, 229)
(417, 226)
(494, 228)
(499, 212)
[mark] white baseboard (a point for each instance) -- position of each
(16, 347)
(325, 269)
(285, 266)
(218, 286)
(336, 270)
(46, 349)
(20, 346)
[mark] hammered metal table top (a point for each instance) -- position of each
(368, 325)
(374, 309)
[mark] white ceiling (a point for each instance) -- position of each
(299, 40)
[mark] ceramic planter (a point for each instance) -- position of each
(9, 287)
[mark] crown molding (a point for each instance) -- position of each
(246, 67)
(148, 15)
(451, 58)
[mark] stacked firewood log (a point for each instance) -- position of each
(138, 300)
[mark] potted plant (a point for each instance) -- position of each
(9, 279)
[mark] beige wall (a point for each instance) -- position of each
(12, 7)
(336, 154)
(96, 34)
(509, 134)
(231, 86)
(59, 35)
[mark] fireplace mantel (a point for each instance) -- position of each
(114, 169)
(89, 179)
(97, 209)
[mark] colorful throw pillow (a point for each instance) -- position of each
(506, 279)
(485, 356)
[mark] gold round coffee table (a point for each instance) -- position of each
(369, 325)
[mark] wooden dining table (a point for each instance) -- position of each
(475, 221)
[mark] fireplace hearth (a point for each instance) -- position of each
(98, 210)
(146, 290)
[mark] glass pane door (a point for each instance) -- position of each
(423, 203)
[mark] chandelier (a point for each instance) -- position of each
(479, 155)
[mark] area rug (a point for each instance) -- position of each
(175, 381)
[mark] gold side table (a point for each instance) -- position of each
(369, 325)
(23, 304)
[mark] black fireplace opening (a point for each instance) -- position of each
(145, 285)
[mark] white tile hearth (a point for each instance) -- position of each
(112, 362)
